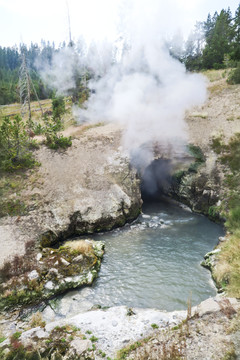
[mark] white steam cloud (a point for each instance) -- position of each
(60, 74)
(146, 89)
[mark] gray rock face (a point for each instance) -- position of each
(199, 189)
(210, 259)
(90, 187)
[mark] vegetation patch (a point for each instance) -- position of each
(31, 278)
(199, 157)
(57, 344)
(234, 76)
(12, 207)
(14, 145)
(226, 272)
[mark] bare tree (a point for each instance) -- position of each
(25, 85)
(25, 89)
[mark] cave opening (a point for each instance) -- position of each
(156, 180)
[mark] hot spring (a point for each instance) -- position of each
(151, 263)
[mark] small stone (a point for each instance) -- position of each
(222, 238)
(53, 271)
(89, 277)
(77, 259)
(49, 285)
(33, 275)
(114, 323)
(208, 306)
(6, 351)
(64, 262)
(80, 346)
(56, 263)
(164, 226)
(39, 256)
(40, 334)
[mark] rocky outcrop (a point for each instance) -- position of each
(88, 188)
(101, 333)
(210, 259)
(199, 187)
(52, 272)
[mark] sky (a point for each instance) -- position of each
(23, 21)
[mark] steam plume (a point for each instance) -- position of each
(146, 89)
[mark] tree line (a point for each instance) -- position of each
(213, 44)
(10, 62)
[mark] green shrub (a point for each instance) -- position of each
(14, 145)
(217, 144)
(93, 338)
(234, 77)
(231, 155)
(58, 107)
(177, 176)
(33, 145)
(233, 219)
(56, 142)
(197, 153)
(38, 129)
(16, 335)
(52, 127)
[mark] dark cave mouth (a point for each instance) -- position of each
(156, 180)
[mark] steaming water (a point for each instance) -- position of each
(154, 262)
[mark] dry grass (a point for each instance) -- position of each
(81, 246)
(227, 270)
(234, 325)
(20, 264)
(202, 115)
(217, 79)
(37, 320)
(214, 75)
(15, 109)
(85, 128)
(218, 87)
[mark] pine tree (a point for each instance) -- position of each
(219, 40)
(236, 41)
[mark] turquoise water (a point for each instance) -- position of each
(154, 262)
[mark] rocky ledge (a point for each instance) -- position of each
(88, 188)
(31, 280)
(102, 333)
